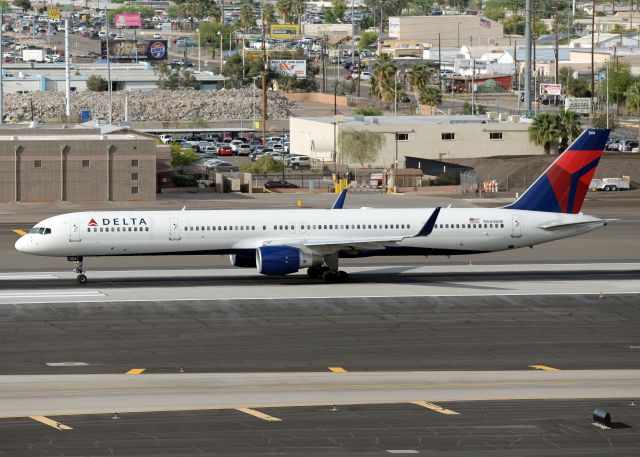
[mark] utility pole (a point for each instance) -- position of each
(353, 32)
(527, 57)
(1, 59)
(593, 69)
(439, 65)
(556, 52)
(109, 88)
(67, 70)
(265, 72)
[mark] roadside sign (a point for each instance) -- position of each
(579, 105)
(550, 89)
(53, 13)
(285, 31)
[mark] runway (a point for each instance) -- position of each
(372, 282)
(58, 395)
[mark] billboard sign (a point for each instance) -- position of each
(579, 105)
(296, 68)
(394, 27)
(127, 20)
(285, 31)
(135, 50)
(550, 89)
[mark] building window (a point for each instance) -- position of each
(495, 135)
(37, 163)
(402, 136)
(85, 164)
(134, 176)
(134, 190)
(448, 136)
(135, 163)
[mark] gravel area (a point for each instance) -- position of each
(155, 105)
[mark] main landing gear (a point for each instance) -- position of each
(327, 274)
(82, 278)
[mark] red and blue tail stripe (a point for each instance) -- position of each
(563, 186)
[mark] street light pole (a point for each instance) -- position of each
(199, 52)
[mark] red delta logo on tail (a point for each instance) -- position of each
(93, 223)
(564, 185)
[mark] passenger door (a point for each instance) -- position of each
(516, 227)
(74, 231)
(174, 230)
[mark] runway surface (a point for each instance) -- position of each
(95, 394)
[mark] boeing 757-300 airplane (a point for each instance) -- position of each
(279, 242)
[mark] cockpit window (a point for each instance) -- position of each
(40, 231)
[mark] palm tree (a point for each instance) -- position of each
(383, 79)
(632, 100)
(431, 96)
(570, 127)
(419, 78)
(247, 20)
(284, 9)
(297, 8)
(544, 130)
(269, 14)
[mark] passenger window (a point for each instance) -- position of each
(253, 227)
(485, 225)
(146, 229)
(501, 225)
(264, 227)
(101, 229)
(89, 229)
(457, 225)
(490, 225)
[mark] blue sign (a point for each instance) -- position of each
(85, 115)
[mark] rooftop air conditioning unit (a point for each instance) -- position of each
(503, 116)
(515, 118)
(492, 115)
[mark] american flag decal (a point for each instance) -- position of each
(485, 23)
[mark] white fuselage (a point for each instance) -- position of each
(457, 231)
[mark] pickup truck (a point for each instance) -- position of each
(610, 184)
(297, 162)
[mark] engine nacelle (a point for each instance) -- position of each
(282, 260)
(242, 260)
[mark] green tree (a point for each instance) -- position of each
(265, 164)
(339, 7)
(632, 101)
(419, 78)
(180, 158)
(367, 39)
(494, 9)
(570, 127)
(269, 13)
(421, 7)
(368, 111)
(544, 130)
(514, 25)
(97, 83)
(565, 76)
(283, 7)
(24, 5)
(297, 10)
(346, 87)
(578, 87)
(599, 121)
(383, 84)
(430, 96)
(361, 146)
(174, 79)
(620, 79)
(247, 20)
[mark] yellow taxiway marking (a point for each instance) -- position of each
(136, 371)
(436, 408)
(337, 369)
(20, 232)
(543, 368)
(51, 423)
(258, 414)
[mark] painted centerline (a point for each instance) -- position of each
(259, 415)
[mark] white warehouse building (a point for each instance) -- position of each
(429, 137)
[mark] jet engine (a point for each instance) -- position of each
(243, 260)
(282, 260)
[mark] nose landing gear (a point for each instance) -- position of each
(81, 278)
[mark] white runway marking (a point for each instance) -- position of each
(67, 364)
(69, 294)
(27, 276)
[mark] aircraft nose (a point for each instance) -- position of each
(24, 244)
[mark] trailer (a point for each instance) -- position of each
(610, 184)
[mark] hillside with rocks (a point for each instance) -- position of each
(158, 105)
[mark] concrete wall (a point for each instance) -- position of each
(316, 139)
(454, 30)
(41, 170)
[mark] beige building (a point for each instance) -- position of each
(53, 164)
(429, 137)
(454, 31)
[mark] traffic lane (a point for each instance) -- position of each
(550, 428)
(476, 333)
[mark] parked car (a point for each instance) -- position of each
(243, 149)
(255, 155)
(224, 166)
(631, 146)
(234, 144)
(211, 149)
(225, 150)
(298, 162)
(280, 184)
